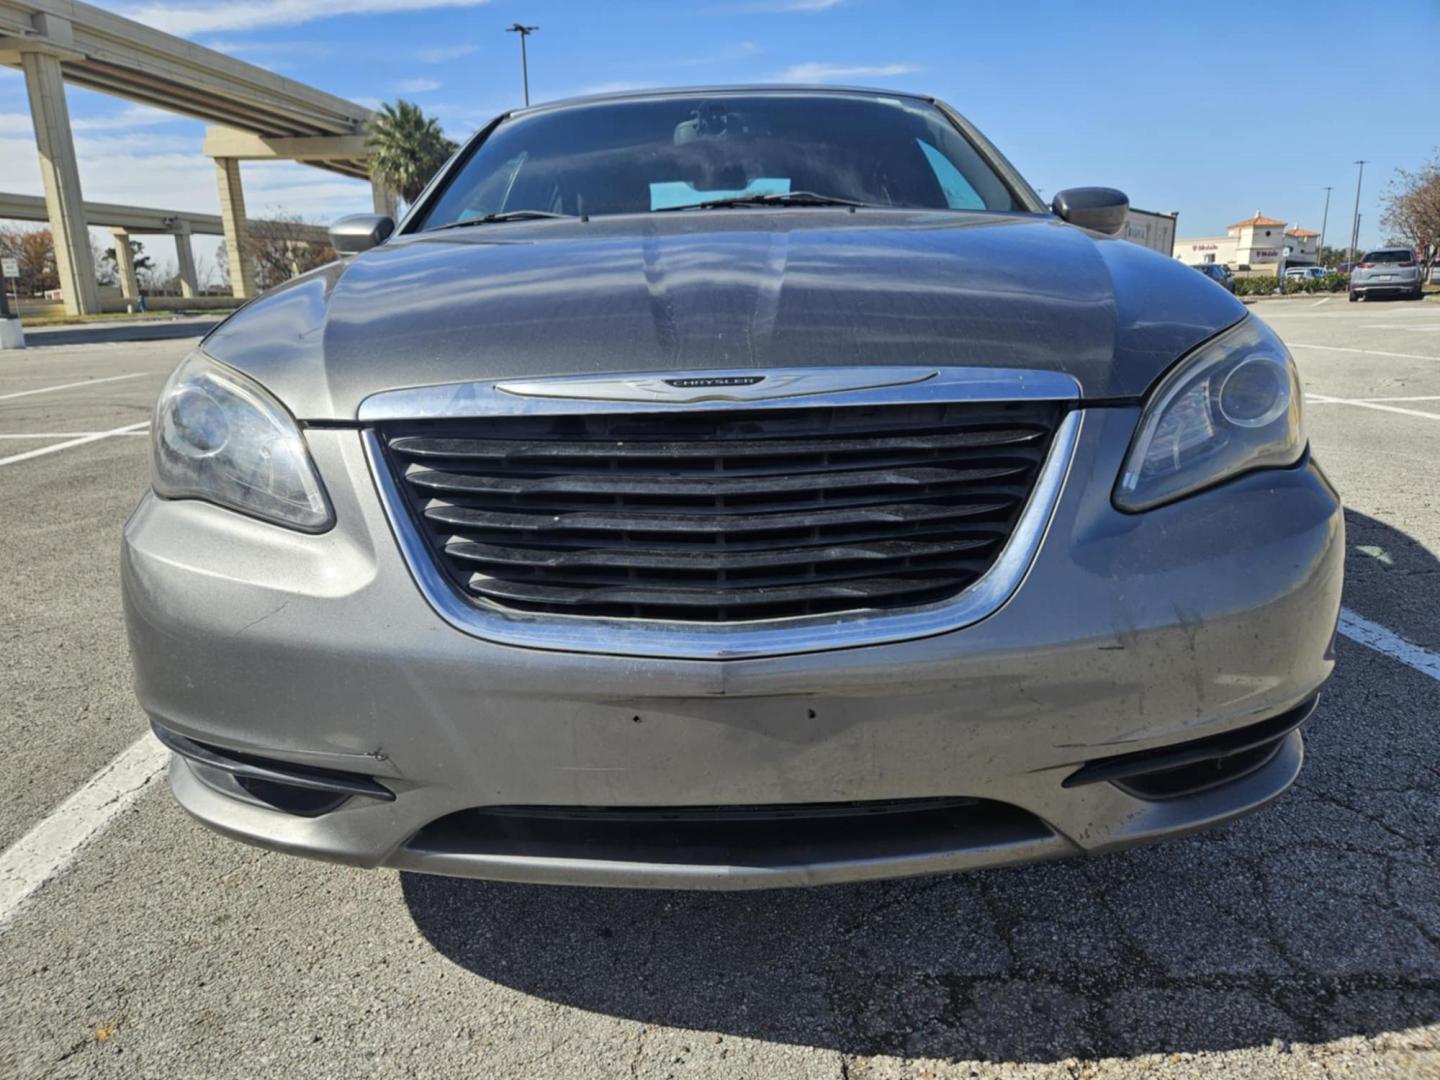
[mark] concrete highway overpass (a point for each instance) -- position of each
(258, 115)
(125, 221)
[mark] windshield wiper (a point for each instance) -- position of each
(777, 198)
(508, 215)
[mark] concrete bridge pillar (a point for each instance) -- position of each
(63, 202)
(237, 230)
(125, 265)
(185, 261)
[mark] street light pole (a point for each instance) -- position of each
(1320, 251)
(524, 32)
(1355, 221)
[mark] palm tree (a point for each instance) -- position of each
(408, 147)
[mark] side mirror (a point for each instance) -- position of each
(1102, 209)
(360, 232)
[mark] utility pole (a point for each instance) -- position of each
(524, 32)
(1355, 221)
(1320, 251)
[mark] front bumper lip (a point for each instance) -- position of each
(1143, 822)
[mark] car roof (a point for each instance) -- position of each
(640, 94)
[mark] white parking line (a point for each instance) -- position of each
(60, 434)
(47, 849)
(15, 459)
(1275, 310)
(1360, 629)
(1319, 302)
(1421, 397)
(1325, 399)
(1365, 352)
(73, 385)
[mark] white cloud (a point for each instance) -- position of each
(198, 18)
(738, 51)
(815, 72)
(460, 120)
(786, 7)
(301, 49)
(128, 119)
(416, 86)
(618, 86)
(445, 52)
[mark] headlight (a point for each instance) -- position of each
(221, 437)
(1231, 407)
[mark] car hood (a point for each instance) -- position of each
(724, 289)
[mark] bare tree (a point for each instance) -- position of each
(281, 248)
(206, 274)
(34, 251)
(159, 279)
(103, 259)
(1411, 212)
(107, 267)
(222, 266)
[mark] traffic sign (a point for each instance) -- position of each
(10, 267)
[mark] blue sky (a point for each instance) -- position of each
(1213, 109)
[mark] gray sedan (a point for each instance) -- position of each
(722, 489)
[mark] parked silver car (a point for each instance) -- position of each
(1386, 272)
(722, 489)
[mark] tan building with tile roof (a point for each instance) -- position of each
(1256, 243)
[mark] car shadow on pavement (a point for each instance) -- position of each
(1315, 919)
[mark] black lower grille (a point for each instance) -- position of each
(760, 836)
(719, 516)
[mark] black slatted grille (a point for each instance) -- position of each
(721, 516)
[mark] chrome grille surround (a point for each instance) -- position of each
(710, 391)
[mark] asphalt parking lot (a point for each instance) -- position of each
(1302, 941)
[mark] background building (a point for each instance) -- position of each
(1152, 230)
(1255, 244)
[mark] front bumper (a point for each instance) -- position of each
(1129, 633)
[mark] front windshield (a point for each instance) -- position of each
(646, 155)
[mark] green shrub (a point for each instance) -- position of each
(1255, 286)
(1265, 285)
